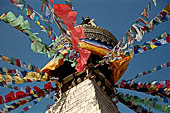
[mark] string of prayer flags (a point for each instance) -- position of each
(158, 41)
(28, 107)
(28, 91)
(157, 68)
(136, 33)
(31, 97)
(146, 11)
(37, 18)
(148, 102)
(133, 106)
(36, 45)
(19, 63)
(8, 80)
(161, 40)
(163, 16)
(155, 88)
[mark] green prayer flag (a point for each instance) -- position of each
(165, 108)
(12, 61)
(17, 21)
(73, 64)
(51, 53)
(148, 46)
(25, 25)
(138, 99)
(33, 37)
(149, 104)
(158, 107)
(9, 17)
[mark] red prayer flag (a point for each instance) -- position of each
(69, 18)
(160, 86)
(167, 84)
(168, 64)
(72, 15)
(28, 89)
(52, 1)
(82, 61)
(26, 108)
(76, 35)
(1, 100)
(144, 73)
(18, 63)
(10, 96)
(61, 9)
(66, 14)
(38, 90)
(12, 1)
(48, 86)
(168, 39)
(20, 94)
(9, 71)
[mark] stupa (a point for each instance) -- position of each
(92, 91)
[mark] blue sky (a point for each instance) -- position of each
(114, 15)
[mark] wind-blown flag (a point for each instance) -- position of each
(69, 18)
(1, 100)
(48, 86)
(28, 89)
(52, 1)
(10, 96)
(20, 94)
(38, 90)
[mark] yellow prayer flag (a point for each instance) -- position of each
(8, 78)
(167, 9)
(35, 95)
(1, 78)
(41, 26)
(4, 59)
(39, 99)
(44, 77)
(60, 46)
(31, 91)
(29, 12)
(18, 80)
(151, 23)
(154, 69)
(5, 69)
(153, 46)
(2, 15)
(33, 76)
(29, 66)
(38, 23)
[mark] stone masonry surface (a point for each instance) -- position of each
(86, 97)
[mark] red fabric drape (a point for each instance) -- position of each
(69, 18)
